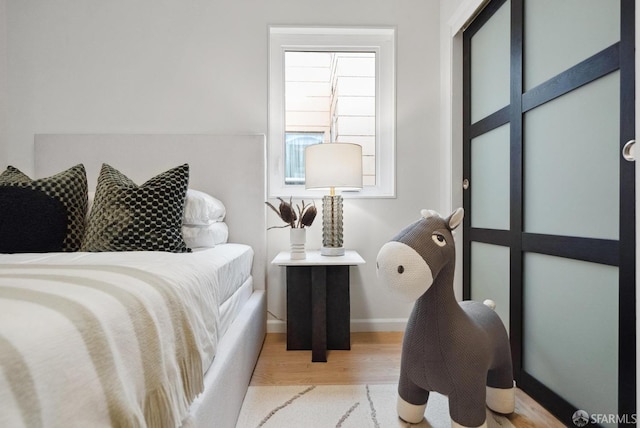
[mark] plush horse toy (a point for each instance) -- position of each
(460, 350)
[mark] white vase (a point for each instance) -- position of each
(298, 237)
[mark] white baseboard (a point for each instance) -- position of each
(276, 326)
(379, 324)
(357, 325)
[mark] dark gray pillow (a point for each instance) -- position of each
(66, 191)
(30, 221)
(128, 217)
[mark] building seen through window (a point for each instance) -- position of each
(295, 143)
(329, 97)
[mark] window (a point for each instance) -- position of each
(331, 85)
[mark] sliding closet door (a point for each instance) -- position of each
(550, 225)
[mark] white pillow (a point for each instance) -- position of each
(201, 209)
(205, 236)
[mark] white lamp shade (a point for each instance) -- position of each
(337, 165)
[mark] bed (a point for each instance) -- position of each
(220, 294)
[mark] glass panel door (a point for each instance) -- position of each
(566, 346)
(490, 65)
(571, 162)
(490, 178)
(549, 230)
(560, 34)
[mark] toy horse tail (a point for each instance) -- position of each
(490, 303)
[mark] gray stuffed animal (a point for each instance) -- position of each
(460, 350)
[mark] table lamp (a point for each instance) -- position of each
(333, 166)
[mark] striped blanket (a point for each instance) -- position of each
(100, 345)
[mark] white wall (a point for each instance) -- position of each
(3, 81)
(201, 67)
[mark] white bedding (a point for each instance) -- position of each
(230, 309)
(55, 351)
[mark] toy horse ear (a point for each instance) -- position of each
(455, 218)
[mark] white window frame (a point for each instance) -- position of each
(334, 39)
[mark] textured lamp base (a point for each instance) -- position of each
(332, 251)
(332, 226)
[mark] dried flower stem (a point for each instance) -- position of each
(286, 212)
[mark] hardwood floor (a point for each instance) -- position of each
(374, 358)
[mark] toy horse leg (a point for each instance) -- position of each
(412, 401)
(411, 413)
(501, 400)
(467, 406)
(500, 388)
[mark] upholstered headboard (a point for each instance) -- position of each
(231, 168)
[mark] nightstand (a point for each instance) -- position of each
(318, 306)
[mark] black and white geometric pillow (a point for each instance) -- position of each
(45, 214)
(128, 217)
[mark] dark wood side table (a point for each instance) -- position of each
(318, 306)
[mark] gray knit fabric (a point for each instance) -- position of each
(456, 349)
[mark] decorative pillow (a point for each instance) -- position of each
(33, 215)
(127, 217)
(201, 209)
(30, 221)
(205, 236)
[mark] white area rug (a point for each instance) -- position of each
(344, 406)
